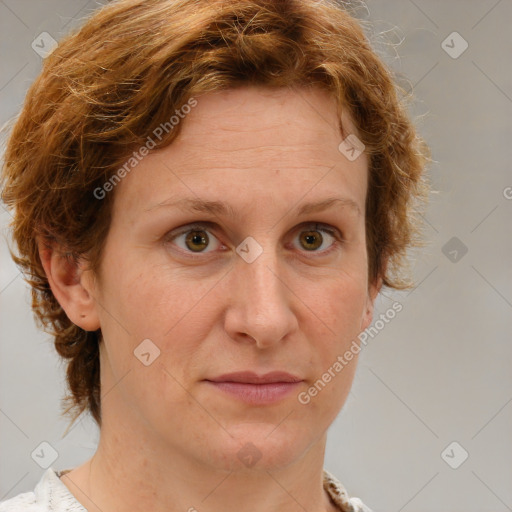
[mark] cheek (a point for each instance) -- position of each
(160, 305)
(150, 298)
(334, 325)
(333, 332)
(147, 305)
(338, 305)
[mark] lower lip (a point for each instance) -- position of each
(257, 394)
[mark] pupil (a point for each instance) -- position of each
(197, 240)
(310, 239)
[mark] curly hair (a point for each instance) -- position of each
(129, 67)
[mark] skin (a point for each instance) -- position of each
(169, 441)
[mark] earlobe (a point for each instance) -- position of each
(373, 291)
(71, 286)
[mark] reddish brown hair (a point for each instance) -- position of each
(107, 86)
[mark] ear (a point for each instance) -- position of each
(373, 291)
(72, 286)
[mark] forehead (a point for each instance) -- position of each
(299, 116)
(251, 144)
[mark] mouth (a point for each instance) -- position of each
(254, 389)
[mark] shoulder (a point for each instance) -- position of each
(49, 495)
(340, 496)
(25, 502)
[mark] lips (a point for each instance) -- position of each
(256, 389)
(252, 378)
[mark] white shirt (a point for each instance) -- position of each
(52, 495)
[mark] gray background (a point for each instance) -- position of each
(437, 373)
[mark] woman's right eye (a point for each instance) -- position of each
(193, 239)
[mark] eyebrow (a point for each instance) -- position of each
(224, 209)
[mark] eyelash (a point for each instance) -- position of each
(311, 226)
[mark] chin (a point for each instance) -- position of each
(259, 447)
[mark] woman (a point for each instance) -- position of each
(209, 195)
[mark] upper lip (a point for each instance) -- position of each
(253, 378)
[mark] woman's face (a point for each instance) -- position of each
(210, 269)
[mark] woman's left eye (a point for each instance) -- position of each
(198, 236)
(313, 237)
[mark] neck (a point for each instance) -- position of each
(131, 471)
(135, 467)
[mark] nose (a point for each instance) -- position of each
(261, 309)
